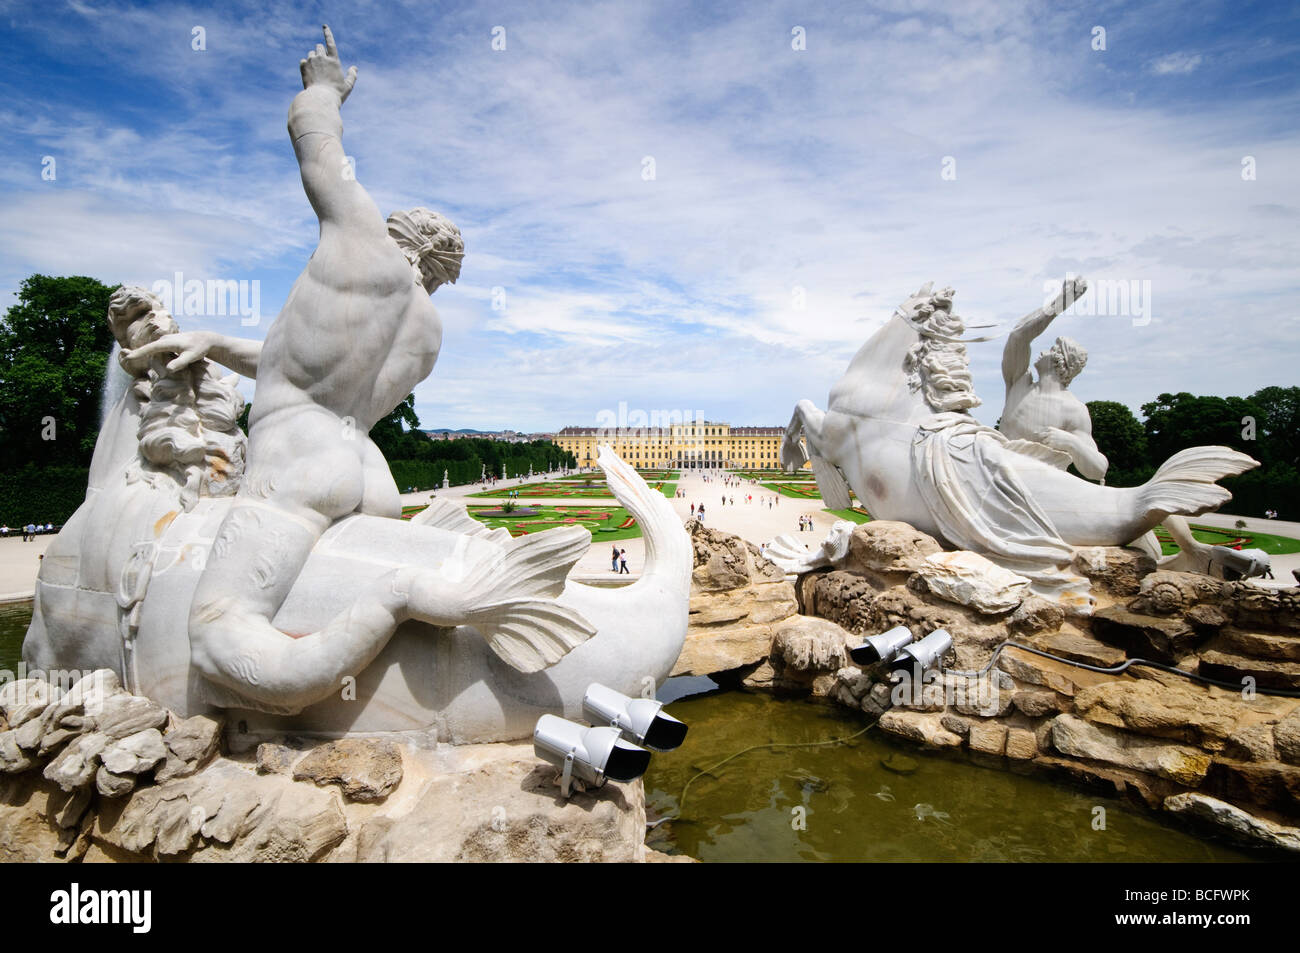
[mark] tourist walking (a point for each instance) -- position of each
(622, 561)
(614, 560)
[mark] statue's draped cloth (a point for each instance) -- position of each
(979, 503)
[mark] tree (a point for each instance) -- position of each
(54, 346)
(1120, 436)
(1278, 434)
(1178, 421)
(388, 434)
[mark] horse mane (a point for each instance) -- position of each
(937, 364)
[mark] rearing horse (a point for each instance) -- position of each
(898, 433)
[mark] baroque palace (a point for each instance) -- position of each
(695, 445)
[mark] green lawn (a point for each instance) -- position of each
(797, 490)
(855, 515)
(1217, 536)
(606, 523)
(560, 488)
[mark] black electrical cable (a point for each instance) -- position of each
(1117, 670)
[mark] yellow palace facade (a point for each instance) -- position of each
(697, 445)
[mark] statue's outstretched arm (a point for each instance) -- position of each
(316, 128)
(1016, 354)
(239, 354)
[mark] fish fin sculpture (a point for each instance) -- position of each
(512, 599)
(453, 517)
(1184, 483)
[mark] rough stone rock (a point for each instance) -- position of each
(722, 560)
(955, 723)
(1232, 668)
(275, 759)
(1286, 737)
(842, 597)
(28, 832)
(1074, 736)
(1232, 820)
(13, 759)
(1255, 606)
(1075, 645)
(1036, 703)
(224, 813)
(988, 737)
(1274, 646)
(761, 677)
(970, 579)
(1252, 743)
(711, 649)
(1166, 591)
(67, 808)
(1114, 569)
(135, 753)
(367, 769)
(111, 784)
(123, 714)
(1206, 619)
(1143, 636)
(1036, 614)
(1060, 677)
(191, 743)
(24, 699)
(1181, 711)
(1021, 744)
(808, 644)
(497, 803)
(888, 546)
(989, 697)
(924, 727)
(74, 767)
(1271, 785)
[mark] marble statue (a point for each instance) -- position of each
(1044, 410)
(793, 556)
(898, 431)
(274, 576)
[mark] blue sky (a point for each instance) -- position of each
(781, 177)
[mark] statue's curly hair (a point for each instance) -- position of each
(189, 435)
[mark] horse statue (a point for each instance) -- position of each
(898, 433)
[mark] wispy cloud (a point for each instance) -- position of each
(797, 195)
(1175, 63)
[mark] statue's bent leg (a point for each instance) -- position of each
(255, 561)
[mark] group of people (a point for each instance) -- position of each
(806, 523)
(30, 531)
(618, 561)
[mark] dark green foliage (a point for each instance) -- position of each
(54, 345)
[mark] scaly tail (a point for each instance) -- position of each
(1184, 484)
(509, 597)
(668, 554)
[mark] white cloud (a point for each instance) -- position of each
(1175, 63)
(775, 170)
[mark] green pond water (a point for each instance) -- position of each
(857, 809)
(14, 618)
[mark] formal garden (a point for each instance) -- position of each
(606, 523)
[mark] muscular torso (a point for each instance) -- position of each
(355, 336)
(1030, 410)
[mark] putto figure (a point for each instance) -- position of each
(1044, 410)
(270, 578)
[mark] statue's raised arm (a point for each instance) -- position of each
(1016, 354)
(316, 129)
